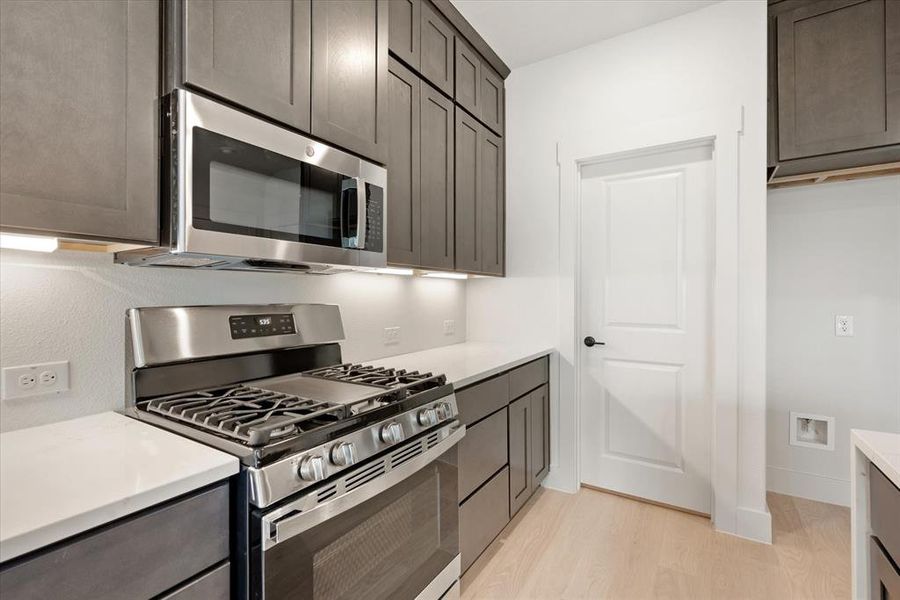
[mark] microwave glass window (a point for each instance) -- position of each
(240, 188)
(249, 199)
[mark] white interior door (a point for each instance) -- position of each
(646, 265)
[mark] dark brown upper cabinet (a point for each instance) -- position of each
(350, 75)
(255, 53)
(404, 33)
(467, 90)
(491, 203)
(79, 88)
(468, 184)
(480, 218)
(420, 173)
(437, 49)
(492, 99)
(835, 70)
(437, 181)
(404, 200)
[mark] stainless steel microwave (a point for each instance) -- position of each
(242, 193)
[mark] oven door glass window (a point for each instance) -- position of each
(391, 546)
(241, 188)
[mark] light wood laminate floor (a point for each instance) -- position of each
(598, 545)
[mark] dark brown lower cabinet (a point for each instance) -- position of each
(482, 517)
(505, 453)
(883, 576)
(176, 545)
(521, 483)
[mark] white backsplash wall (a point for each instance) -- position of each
(71, 306)
(834, 249)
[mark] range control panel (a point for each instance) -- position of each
(249, 326)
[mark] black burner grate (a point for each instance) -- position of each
(384, 377)
(251, 415)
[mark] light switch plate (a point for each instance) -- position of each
(449, 327)
(843, 325)
(391, 336)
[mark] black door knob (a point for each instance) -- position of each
(590, 341)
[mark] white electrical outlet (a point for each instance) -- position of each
(449, 327)
(391, 336)
(843, 325)
(32, 380)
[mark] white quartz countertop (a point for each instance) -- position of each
(468, 362)
(883, 449)
(65, 478)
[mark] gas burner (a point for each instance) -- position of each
(251, 415)
(384, 377)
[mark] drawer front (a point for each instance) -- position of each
(885, 507)
(478, 401)
(138, 558)
(527, 377)
(883, 577)
(214, 585)
(482, 517)
(482, 452)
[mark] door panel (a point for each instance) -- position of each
(491, 203)
(646, 256)
(467, 91)
(838, 77)
(521, 482)
(404, 203)
(437, 184)
(437, 49)
(79, 118)
(404, 31)
(254, 53)
(540, 434)
(468, 182)
(349, 74)
(492, 99)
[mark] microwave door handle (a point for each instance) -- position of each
(361, 213)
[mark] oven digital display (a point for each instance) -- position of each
(250, 326)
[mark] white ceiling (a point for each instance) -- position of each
(526, 31)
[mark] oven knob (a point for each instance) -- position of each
(444, 411)
(427, 417)
(392, 433)
(312, 468)
(343, 454)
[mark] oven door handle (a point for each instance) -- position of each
(305, 513)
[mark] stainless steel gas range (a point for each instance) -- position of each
(348, 486)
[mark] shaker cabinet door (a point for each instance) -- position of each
(404, 198)
(437, 49)
(404, 32)
(491, 203)
(254, 53)
(540, 434)
(467, 90)
(521, 482)
(838, 64)
(350, 75)
(79, 88)
(468, 184)
(437, 183)
(492, 99)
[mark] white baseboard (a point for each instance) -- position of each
(754, 524)
(808, 485)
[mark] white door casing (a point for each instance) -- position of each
(646, 254)
(724, 127)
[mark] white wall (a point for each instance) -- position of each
(711, 59)
(834, 249)
(71, 306)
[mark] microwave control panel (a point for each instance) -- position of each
(250, 326)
